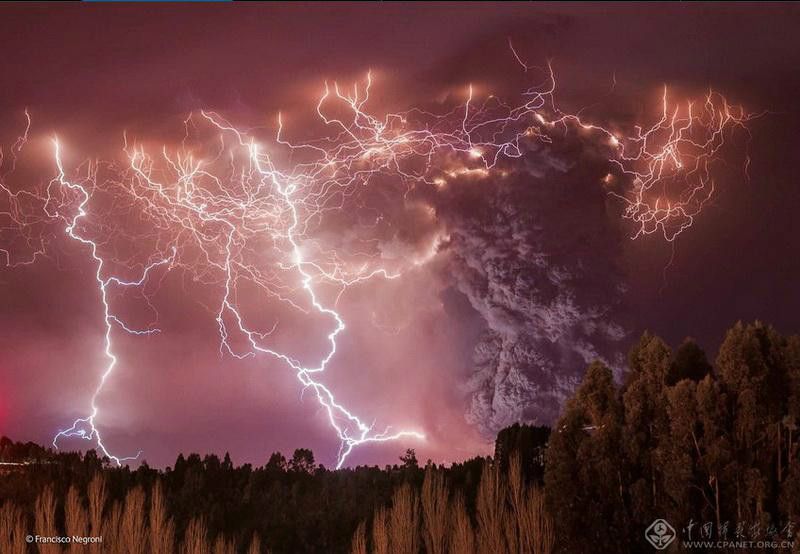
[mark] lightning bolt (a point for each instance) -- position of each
(85, 428)
(221, 217)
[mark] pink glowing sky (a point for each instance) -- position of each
(90, 72)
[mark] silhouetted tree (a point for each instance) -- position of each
(585, 468)
(277, 462)
(409, 459)
(529, 442)
(689, 363)
(302, 461)
(646, 425)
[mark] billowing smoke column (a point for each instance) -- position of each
(535, 253)
(519, 205)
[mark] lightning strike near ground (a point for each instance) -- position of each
(244, 216)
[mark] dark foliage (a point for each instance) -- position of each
(682, 441)
(678, 439)
(530, 441)
(294, 505)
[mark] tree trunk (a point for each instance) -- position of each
(780, 451)
(716, 499)
(738, 500)
(653, 478)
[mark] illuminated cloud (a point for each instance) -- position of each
(512, 274)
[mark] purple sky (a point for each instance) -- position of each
(90, 72)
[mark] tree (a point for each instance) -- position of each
(529, 442)
(277, 462)
(698, 454)
(646, 424)
(409, 459)
(752, 370)
(302, 461)
(790, 494)
(690, 362)
(713, 445)
(584, 468)
(680, 454)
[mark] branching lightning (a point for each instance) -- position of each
(234, 213)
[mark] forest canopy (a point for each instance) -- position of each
(712, 449)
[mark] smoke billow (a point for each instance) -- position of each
(535, 252)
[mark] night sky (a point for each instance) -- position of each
(456, 347)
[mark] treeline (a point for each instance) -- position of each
(291, 505)
(209, 506)
(711, 449)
